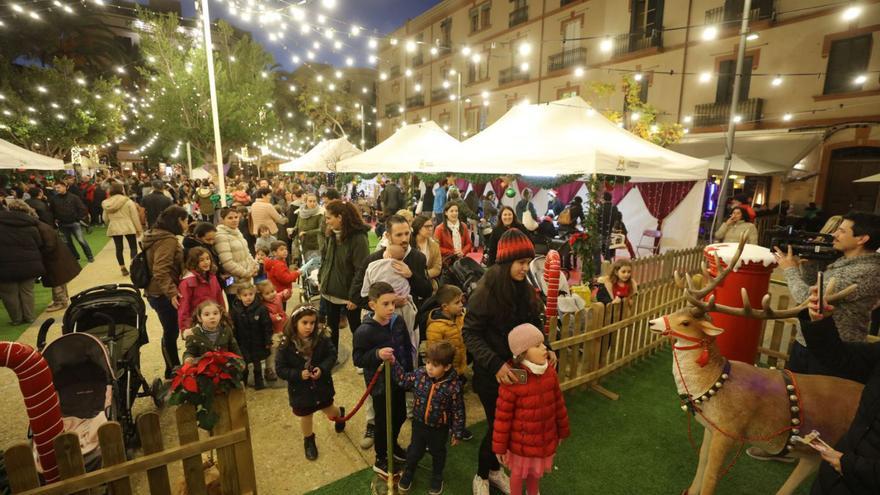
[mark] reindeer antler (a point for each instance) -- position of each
(694, 295)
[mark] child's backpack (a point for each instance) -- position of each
(564, 217)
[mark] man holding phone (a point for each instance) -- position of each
(857, 238)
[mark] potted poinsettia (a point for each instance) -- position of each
(197, 383)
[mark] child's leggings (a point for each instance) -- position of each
(516, 484)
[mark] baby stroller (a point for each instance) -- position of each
(463, 273)
(114, 316)
(308, 275)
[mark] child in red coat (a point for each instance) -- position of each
(276, 268)
(530, 416)
(274, 302)
(198, 285)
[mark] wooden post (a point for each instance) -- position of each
(70, 459)
(244, 456)
(225, 455)
(21, 468)
(112, 453)
(151, 442)
(188, 432)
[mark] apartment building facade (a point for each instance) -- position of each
(810, 92)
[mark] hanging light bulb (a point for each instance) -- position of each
(705, 77)
(372, 43)
(852, 13)
(355, 30)
(710, 33)
(466, 51)
(777, 81)
(578, 72)
(787, 117)
(525, 48)
(524, 67)
(638, 77)
(606, 45)
(860, 79)
(410, 46)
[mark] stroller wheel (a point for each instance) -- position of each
(157, 392)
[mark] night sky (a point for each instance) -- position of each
(375, 16)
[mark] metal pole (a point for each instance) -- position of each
(215, 114)
(389, 436)
(458, 99)
(363, 129)
(731, 126)
(189, 161)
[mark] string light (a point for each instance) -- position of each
(860, 79)
(710, 33)
(705, 77)
(777, 81)
(852, 13)
(606, 45)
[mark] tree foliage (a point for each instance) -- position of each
(47, 110)
(334, 110)
(178, 92)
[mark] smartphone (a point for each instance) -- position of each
(820, 283)
(229, 281)
(522, 376)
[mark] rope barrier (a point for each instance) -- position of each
(363, 398)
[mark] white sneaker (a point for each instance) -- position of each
(359, 371)
(481, 486)
(500, 480)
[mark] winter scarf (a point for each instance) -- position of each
(309, 212)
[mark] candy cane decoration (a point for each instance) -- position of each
(551, 278)
(40, 398)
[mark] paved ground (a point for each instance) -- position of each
(278, 451)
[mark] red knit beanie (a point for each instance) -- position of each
(514, 245)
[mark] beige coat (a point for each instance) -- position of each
(263, 213)
(732, 233)
(121, 216)
(235, 259)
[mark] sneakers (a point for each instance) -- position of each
(359, 371)
(760, 454)
(481, 486)
(310, 447)
(467, 435)
(270, 375)
(399, 454)
(405, 482)
(369, 433)
(124, 271)
(500, 480)
(436, 487)
(339, 426)
(55, 307)
(381, 467)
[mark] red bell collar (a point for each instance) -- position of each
(703, 360)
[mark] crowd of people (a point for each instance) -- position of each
(224, 278)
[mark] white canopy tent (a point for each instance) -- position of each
(870, 178)
(414, 148)
(746, 165)
(777, 146)
(12, 157)
(567, 137)
(323, 157)
(200, 173)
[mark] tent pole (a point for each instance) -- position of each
(189, 162)
(731, 126)
(458, 101)
(215, 113)
(363, 130)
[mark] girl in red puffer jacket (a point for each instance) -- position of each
(530, 416)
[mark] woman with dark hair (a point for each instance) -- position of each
(490, 207)
(422, 239)
(263, 213)
(738, 223)
(165, 260)
(453, 236)
(343, 254)
(506, 220)
(502, 300)
(233, 252)
(123, 220)
(203, 235)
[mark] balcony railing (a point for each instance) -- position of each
(415, 101)
(718, 114)
(519, 16)
(418, 60)
(512, 74)
(633, 42)
(439, 94)
(446, 49)
(567, 58)
(394, 71)
(731, 17)
(392, 109)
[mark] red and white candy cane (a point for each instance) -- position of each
(40, 398)
(551, 277)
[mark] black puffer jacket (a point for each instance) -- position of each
(253, 330)
(68, 208)
(43, 210)
(289, 365)
(20, 247)
(861, 444)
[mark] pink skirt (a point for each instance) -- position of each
(524, 467)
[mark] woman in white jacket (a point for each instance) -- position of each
(232, 249)
(123, 220)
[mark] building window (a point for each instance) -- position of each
(520, 12)
(443, 121)
(847, 59)
(571, 33)
(480, 17)
(726, 77)
(446, 36)
(478, 71)
(475, 119)
(474, 16)
(568, 92)
(418, 58)
(645, 28)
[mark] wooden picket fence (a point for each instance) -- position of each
(594, 342)
(230, 438)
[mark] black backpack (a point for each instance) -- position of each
(139, 271)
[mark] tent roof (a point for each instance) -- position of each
(322, 158)
(775, 146)
(12, 157)
(746, 165)
(870, 178)
(567, 137)
(414, 148)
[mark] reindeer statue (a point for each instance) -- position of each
(738, 403)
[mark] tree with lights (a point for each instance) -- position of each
(326, 107)
(51, 109)
(176, 95)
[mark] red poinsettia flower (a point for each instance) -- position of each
(190, 384)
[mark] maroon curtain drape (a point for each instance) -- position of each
(522, 185)
(619, 191)
(566, 192)
(661, 198)
(462, 185)
(497, 187)
(479, 188)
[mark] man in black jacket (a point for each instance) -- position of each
(68, 210)
(155, 202)
(40, 204)
(853, 465)
(391, 199)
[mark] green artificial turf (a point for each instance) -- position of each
(636, 445)
(43, 295)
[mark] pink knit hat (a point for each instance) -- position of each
(522, 337)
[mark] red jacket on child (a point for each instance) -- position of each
(279, 274)
(530, 418)
(276, 311)
(194, 290)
